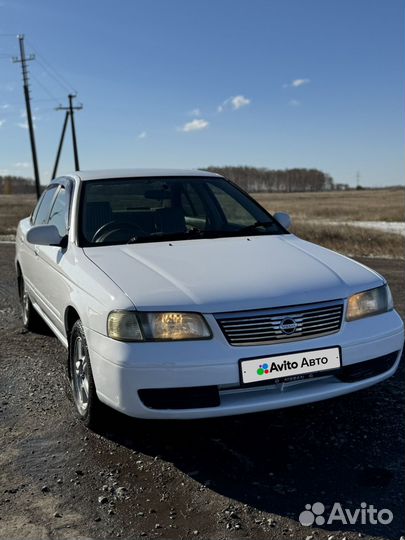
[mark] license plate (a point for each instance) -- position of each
(286, 367)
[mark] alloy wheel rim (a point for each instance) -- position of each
(25, 306)
(80, 376)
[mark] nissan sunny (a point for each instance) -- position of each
(178, 296)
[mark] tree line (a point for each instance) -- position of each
(251, 179)
(254, 179)
(16, 184)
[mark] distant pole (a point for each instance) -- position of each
(74, 140)
(23, 60)
(358, 179)
(55, 168)
(70, 110)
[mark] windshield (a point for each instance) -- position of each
(137, 210)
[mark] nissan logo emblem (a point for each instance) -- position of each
(288, 326)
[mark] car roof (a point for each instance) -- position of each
(137, 173)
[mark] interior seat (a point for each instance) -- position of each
(170, 220)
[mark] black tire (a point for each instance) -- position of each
(32, 320)
(83, 390)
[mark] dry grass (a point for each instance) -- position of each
(353, 241)
(386, 205)
(12, 209)
(362, 205)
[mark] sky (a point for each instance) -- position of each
(194, 83)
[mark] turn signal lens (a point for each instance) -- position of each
(124, 326)
(368, 303)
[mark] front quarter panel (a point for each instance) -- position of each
(92, 293)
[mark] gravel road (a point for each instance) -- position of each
(241, 477)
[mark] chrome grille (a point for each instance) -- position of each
(252, 329)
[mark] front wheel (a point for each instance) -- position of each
(82, 384)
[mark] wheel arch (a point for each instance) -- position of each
(19, 276)
(71, 316)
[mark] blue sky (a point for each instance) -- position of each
(192, 83)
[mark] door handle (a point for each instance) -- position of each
(36, 251)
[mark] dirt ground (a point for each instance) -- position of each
(241, 477)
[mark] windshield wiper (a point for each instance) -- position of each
(165, 237)
(255, 226)
(196, 233)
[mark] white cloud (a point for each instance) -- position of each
(294, 103)
(296, 83)
(195, 112)
(22, 165)
(2, 122)
(24, 125)
(5, 106)
(142, 135)
(300, 82)
(236, 102)
(195, 125)
(239, 101)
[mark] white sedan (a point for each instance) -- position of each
(178, 296)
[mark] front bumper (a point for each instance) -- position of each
(121, 369)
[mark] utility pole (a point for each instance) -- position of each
(69, 113)
(358, 180)
(55, 168)
(23, 61)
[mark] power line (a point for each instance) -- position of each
(52, 71)
(65, 87)
(52, 97)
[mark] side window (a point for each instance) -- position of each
(192, 204)
(41, 213)
(235, 213)
(59, 212)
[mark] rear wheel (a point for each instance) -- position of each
(82, 384)
(31, 319)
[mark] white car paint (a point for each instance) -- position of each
(231, 274)
(208, 276)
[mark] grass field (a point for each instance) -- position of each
(12, 209)
(362, 205)
(372, 205)
(353, 241)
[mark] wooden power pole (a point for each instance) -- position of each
(23, 61)
(70, 109)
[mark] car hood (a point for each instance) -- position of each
(231, 274)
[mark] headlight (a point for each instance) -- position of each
(368, 303)
(161, 326)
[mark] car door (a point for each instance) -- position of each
(28, 253)
(53, 284)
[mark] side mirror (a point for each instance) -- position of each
(284, 219)
(45, 235)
